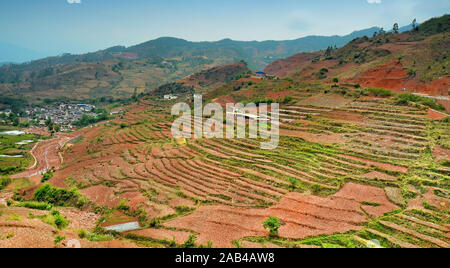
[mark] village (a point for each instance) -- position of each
(62, 114)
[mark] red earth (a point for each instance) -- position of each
(302, 216)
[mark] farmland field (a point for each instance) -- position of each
(340, 177)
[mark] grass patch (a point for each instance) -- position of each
(407, 99)
(54, 218)
(35, 205)
(379, 92)
(4, 182)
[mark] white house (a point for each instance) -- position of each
(170, 97)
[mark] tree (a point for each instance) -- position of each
(273, 224)
(135, 97)
(328, 51)
(395, 29)
(336, 80)
(15, 121)
(415, 27)
(57, 128)
(382, 31)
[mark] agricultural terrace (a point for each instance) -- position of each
(15, 150)
(347, 170)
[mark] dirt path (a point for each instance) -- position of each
(46, 155)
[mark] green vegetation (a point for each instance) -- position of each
(94, 237)
(395, 28)
(53, 218)
(21, 183)
(60, 197)
(59, 239)
(190, 242)
(86, 120)
(379, 92)
(433, 26)
(59, 220)
(35, 205)
(123, 205)
(273, 224)
(174, 88)
(47, 176)
(407, 99)
(16, 149)
(4, 182)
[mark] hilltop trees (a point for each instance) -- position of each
(415, 26)
(329, 51)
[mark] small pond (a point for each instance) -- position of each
(12, 133)
(124, 227)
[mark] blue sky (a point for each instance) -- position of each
(57, 26)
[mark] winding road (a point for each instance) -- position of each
(47, 155)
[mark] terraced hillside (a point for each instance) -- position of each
(347, 171)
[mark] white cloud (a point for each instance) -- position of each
(74, 1)
(374, 1)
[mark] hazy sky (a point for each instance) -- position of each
(75, 26)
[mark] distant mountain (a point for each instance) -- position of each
(257, 54)
(13, 53)
(119, 70)
(415, 61)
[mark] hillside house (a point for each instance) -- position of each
(116, 112)
(170, 97)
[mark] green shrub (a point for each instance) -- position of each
(47, 176)
(57, 196)
(58, 239)
(273, 224)
(190, 242)
(36, 205)
(123, 205)
(406, 98)
(379, 92)
(155, 222)
(82, 234)
(4, 182)
(183, 209)
(287, 100)
(60, 222)
(82, 202)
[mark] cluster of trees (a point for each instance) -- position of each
(15, 104)
(12, 119)
(396, 28)
(330, 50)
(52, 127)
(86, 120)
